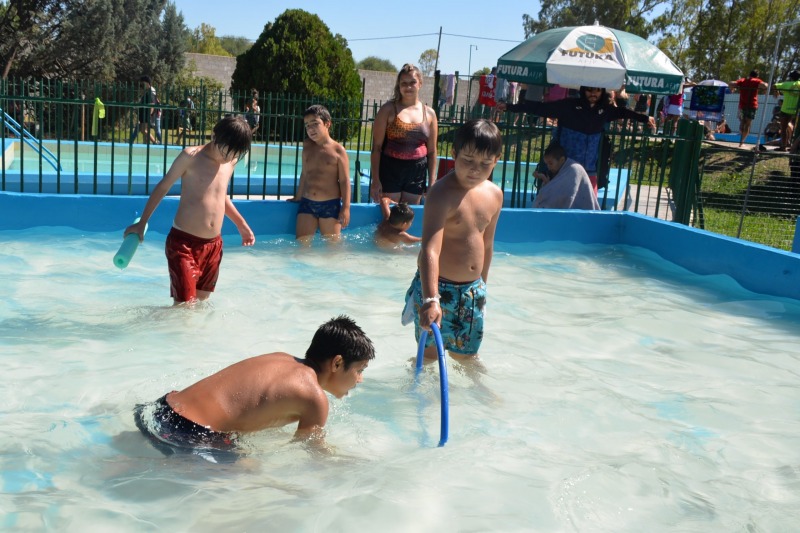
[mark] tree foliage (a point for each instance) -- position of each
(725, 39)
(625, 15)
(235, 46)
(95, 39)
(707, 39)
(376, 63)
(427, 61)
(204, 41)
(24, 25)
(297, 53)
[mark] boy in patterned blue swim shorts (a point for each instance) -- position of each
(458, 227)
(324, 189)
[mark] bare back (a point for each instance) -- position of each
(323, 170)
(204, 182)
(387, 236)
(265, 391)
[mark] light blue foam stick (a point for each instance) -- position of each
(128, 247)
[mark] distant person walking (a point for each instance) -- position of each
(791, 92)
(147, 99)
(581, 123)
(748, 101)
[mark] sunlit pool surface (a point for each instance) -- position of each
(621, 394)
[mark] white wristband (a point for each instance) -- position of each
(431, 299)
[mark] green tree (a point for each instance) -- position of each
(204, 41)
(24, 26)
(96, 39)
(138, 30)
(172, 46)
(625, 15)
(427, 61)
(376, 63)
(725, 39)
(298, 54)
(235, 46)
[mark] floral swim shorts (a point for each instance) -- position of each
(462, 313)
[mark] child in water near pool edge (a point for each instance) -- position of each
(324, 188)
(459, 222)
(194, 244)
(265, 391)
(397, 219)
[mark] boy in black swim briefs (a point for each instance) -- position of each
(270, 390)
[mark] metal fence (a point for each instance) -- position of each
(752, 195)
(746, 194)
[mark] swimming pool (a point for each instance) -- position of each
(623, 393)
(268, 170)
(136, 169)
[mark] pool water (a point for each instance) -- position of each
(621, 393)
(136, 169)
(267, 170)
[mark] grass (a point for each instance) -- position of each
(758, 187)
(764, 229)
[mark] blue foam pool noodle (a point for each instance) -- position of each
(128, 247)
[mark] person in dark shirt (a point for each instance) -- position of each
(581, 123)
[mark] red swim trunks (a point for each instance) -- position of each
(193, 264)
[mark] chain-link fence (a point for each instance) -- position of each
(752, 195)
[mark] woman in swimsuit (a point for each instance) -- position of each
(404, 143)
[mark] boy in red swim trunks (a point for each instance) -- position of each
(194, 245)
(324, 189)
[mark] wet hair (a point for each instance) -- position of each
(146, 79)
(319, 111)
(339, 336)
(232, 134)
(400, 214)
(555, 150)
(754, 73)
(408, 68)
(480, 134)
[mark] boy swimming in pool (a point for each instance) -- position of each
(194, 244)
(265, 391)
(324, 189)
(396, 221)
(458, 227)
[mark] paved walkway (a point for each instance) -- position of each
(646, 200)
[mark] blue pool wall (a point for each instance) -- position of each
(755, 267)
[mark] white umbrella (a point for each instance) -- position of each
(591, 55)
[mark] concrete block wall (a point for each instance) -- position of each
(219, 68)
(379, 86)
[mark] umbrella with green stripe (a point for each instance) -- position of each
(593, 56)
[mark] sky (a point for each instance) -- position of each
(395, 30)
